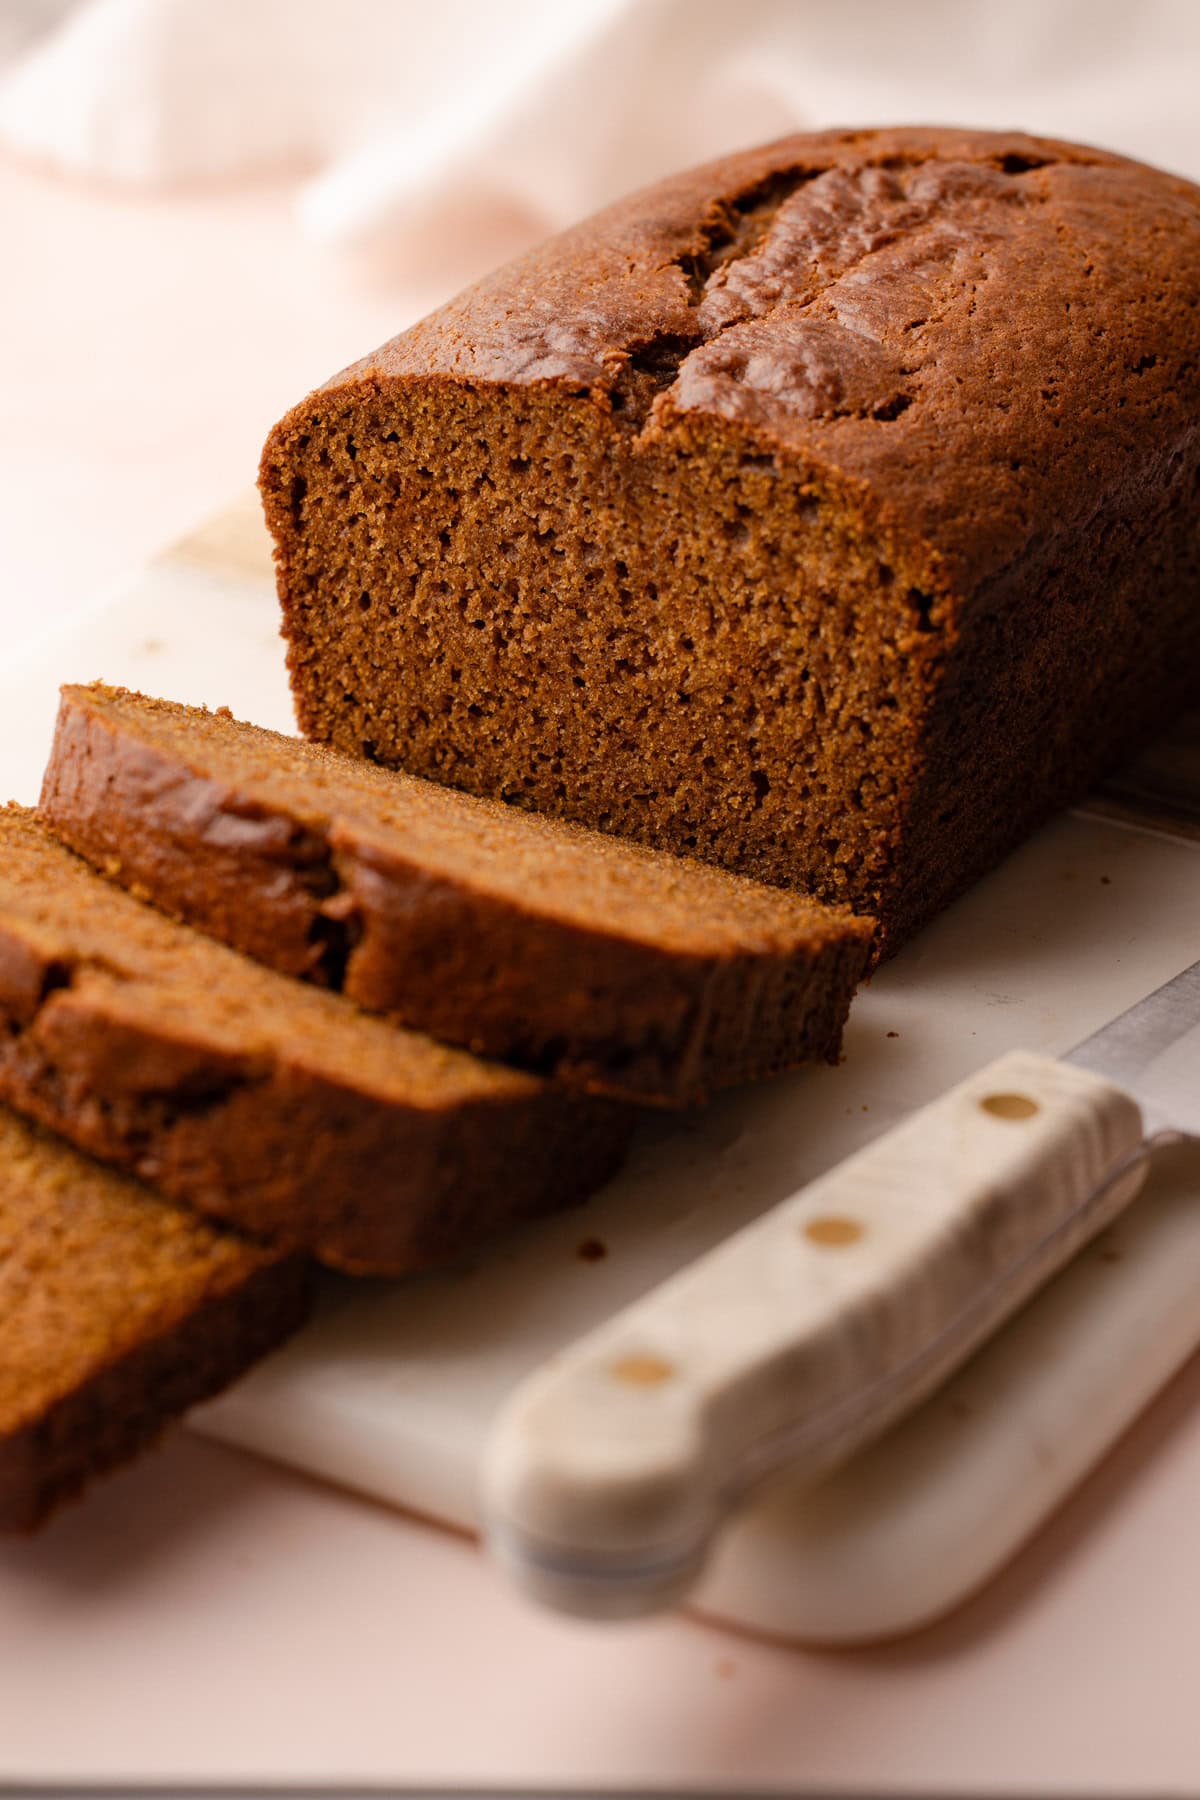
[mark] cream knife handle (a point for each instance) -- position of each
(803, 1336)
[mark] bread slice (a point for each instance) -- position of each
(117, 1312)
(615, 967)
(262, 1101)
(830, 512)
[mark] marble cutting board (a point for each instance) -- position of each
(391, 1389)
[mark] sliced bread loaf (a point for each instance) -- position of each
(117, 1312)
(612, 966)
(831, 511)
(272, 1104)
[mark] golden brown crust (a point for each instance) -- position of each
(614, 968)
(921, 403)
(261, 1101)
(816, 289)
(118, 1311)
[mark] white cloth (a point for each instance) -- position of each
(447, 129)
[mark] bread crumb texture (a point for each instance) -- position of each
(117, 1311)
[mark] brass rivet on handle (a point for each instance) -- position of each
(833, 1231)
(1009, 1106)
(642, 1370)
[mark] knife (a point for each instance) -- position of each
(794, 1343)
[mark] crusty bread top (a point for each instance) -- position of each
(984, 328)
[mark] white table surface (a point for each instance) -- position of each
(205, 1615)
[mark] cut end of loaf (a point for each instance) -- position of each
(680, 640)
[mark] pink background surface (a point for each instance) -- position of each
(204, 1615)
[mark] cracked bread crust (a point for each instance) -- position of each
(829, 283)
(614, 968)
(265, 1103)
(830, 512)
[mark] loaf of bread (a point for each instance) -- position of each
(831, 512)
(268, 1103)
(610, 966)
(117, 1312)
